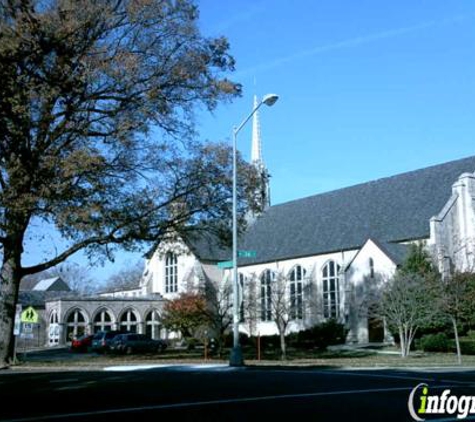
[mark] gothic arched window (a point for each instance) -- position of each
(296, 277)
(75, 324)
(267, 278)
(331, 290)
(103, 321)
(171, 273)
(153, 324)
(129, 321)
(54, 328)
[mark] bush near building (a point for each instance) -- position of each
(320, 336)
(435, 343)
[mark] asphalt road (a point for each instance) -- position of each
(220, 393)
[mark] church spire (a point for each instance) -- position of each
(263, 190)
(256, 147)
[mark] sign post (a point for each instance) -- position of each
(16, 329)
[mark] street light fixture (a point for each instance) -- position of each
(236, 358)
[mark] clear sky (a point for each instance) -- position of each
(367, 88)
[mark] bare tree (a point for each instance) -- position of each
(127, 277)
(250, 303)
(456, 301)
(275, 303)
(83, 82)
(77, 277)
(407, 303)
(281, 308)
(218, 308)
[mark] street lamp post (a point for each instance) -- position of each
(236, 358)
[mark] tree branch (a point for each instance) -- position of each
(67, 253)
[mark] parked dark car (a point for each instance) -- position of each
(81, 344)
(137, 343)
(102, 340)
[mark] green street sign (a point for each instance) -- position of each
(225, 264)
(247, 254)
(29, 315)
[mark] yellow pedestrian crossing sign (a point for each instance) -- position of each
(29, 315)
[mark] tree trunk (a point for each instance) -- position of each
(402, 342)
(10, 276)
(283, 347)
(457, 340)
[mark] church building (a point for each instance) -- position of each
(325, 248)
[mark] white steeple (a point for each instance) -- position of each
(262, 191)
(256, 148)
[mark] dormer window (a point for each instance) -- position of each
(171, 273)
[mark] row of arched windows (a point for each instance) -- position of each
(103, 320)
(295, 281)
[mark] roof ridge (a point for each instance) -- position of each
(379, 180)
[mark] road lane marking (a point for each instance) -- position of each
(125, 368)
(71, 387)
(213, 403)
(64, 380)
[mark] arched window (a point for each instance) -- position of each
(129, 321)
(54, 328)
(267, 278)
(296, 278)
(152, 324)
(171, 273)
(75, 324)
(103, 321)
(331, 290)
(371, 268)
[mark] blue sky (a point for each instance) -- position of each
(367, 88)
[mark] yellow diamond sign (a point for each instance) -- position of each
(29, 315)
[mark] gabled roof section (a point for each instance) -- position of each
(207, 246)
(46, 285)
(392, 210)
(51, 284)
(397, 253)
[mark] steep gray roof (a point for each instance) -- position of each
(392, 209)
(397, 252)
(207, 246)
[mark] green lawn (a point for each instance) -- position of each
(343, 358)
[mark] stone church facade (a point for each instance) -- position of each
(326, 247)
